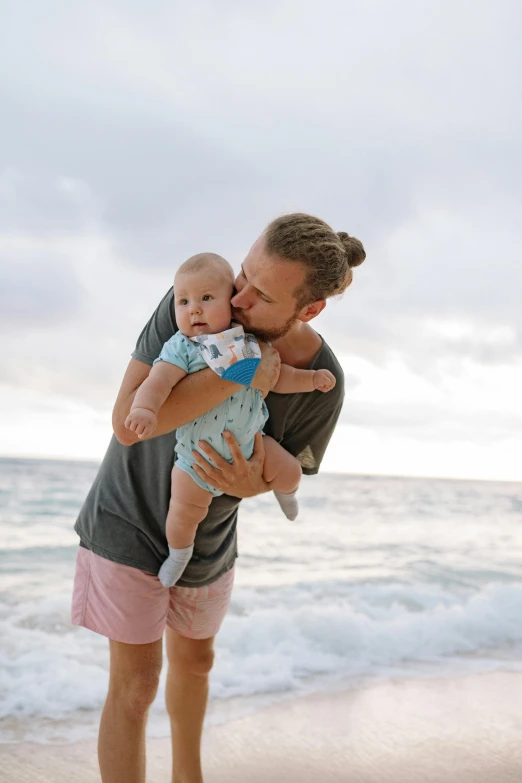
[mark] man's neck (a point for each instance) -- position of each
(299, 346)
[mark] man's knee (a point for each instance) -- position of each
(135, 673)
(135, 693)
(191, 656)
(201, 663)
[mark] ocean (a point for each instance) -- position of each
(378, 578)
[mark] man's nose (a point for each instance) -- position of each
(241, 299)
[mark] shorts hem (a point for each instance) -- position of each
(115, 638)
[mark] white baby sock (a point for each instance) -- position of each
(288, 503)
(174, 565)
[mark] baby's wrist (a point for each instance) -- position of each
(142, 410)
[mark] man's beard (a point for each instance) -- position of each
(266, 334)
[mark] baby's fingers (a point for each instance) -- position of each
(130, 422)
(328, 384)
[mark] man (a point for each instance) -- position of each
(289, 273)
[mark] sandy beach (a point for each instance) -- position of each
(460, 730)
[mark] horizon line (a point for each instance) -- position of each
(98, 461)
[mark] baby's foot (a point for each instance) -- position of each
(288, 503)
(174, 565)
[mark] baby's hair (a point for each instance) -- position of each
(202, 261)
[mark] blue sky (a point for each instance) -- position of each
(135, 134)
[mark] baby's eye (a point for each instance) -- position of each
(207, 298)
(182, 302)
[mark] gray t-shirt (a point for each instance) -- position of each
(123, 517)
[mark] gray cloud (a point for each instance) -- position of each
(161, 130)
(423, 421)
(37, 289)
(358, 128)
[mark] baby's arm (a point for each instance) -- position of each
(150, 396)
(292, 380)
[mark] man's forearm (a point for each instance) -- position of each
(193, 396)
(196, 394)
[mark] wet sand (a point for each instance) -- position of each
(460, 730)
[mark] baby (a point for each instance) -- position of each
(203, 288)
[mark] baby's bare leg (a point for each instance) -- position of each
(188, 507)
(282, 472)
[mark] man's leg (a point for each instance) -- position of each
(134, 678)
(190, 662)
(195, 616)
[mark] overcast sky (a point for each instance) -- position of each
(134, 134)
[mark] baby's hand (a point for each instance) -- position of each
(324, 380)
(141, 421)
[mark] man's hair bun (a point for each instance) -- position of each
(328, 256)
(355, 252)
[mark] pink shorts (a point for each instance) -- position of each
(131, 606)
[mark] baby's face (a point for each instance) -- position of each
(202, 301)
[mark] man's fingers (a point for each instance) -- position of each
(216, 458)
(259, 448)
(268, 371)
(207, 471)
(235, 449)
(207, 476)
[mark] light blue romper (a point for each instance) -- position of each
(243, 414)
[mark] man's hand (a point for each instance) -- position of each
(142, 422)
(324, 380)
(267, 374)
(242, 478)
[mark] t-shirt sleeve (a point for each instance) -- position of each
(177, 351)
(308, 440)
(159, 329)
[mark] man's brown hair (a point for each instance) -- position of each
(329, 257)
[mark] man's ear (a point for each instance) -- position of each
(312, 310)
